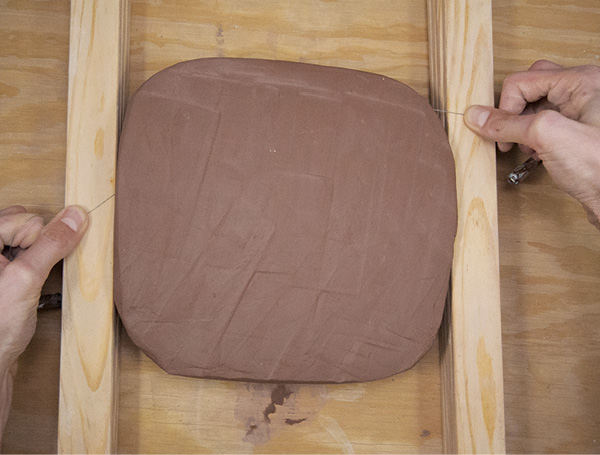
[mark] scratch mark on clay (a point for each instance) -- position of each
(234, 309)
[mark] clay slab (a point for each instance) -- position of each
(281, 221)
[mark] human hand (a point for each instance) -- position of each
(554, 114)
(38, 249)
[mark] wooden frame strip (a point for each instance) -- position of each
(99, 44)
(461, 74)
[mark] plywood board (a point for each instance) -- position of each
(549, 255)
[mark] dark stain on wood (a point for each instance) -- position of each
(294, 421)
(278, 396)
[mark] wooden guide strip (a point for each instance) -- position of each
(461, 74)
(99, 43)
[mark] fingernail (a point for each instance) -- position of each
(477, 116)
(74, 217)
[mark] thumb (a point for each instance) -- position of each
(56, 241)
(534, 131)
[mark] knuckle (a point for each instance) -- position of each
(591, 75)
(7, 226)
(16, 209)
(510, 80)
(35, 222)
(24, 273)
(541, 125)
(512, 96)
(515, 78)
(36, 219)
(31, 231)
(20, 220)
(12, 209)
(540, 63)
(585, 75)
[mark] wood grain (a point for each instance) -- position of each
(471, 344)
(381, 36)
(525, 31)
(549, 261)
(33, 109)
(89, 373)
(164, 413)
(549, 255)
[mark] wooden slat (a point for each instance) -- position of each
(461, 69)
(97, 70)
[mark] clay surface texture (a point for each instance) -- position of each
(280, 221)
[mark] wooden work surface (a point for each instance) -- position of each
(549, 254)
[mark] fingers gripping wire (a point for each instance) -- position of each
(50, 301)
(521, 171)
